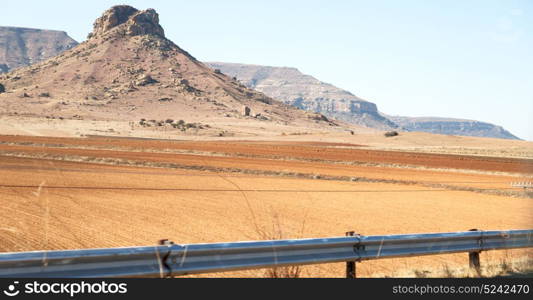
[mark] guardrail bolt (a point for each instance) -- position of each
(473, 259)
(350, 265)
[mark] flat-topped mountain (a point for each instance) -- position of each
(128, 70)
(20, 47)
(306, 92)
(453, 127)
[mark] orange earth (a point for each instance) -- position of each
(67, 193)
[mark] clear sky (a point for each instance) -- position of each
(468, 59)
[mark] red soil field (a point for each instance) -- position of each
(319, 151)
(52, 204)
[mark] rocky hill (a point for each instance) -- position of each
(453, 127)
(20, 47)
(127, 70)
(306, 92)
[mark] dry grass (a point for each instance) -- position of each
(503, 267)
(276, 232)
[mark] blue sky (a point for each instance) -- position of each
(465, 59)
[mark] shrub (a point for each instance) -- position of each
(391, 133)
(169, 121)
(2, 88)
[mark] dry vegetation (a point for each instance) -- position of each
(503, 267)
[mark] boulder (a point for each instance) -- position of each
(317, 117)
(145, 80)
(246, 111)
(145, 22)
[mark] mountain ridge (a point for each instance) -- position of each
(307, 92)
(21, 46)
(292, 87)
(311, 94)
(453, 126)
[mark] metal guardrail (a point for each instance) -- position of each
(171, 259)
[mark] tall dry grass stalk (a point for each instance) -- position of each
(276, 233)
(505, 267)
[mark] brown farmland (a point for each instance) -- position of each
(65, 193)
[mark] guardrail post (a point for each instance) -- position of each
(350, 265)
(473, 258)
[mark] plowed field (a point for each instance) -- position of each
(87, 193)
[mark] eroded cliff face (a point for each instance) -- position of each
(20, 47)
(306, 92)
(453, 127)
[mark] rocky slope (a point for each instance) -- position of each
(20, 47)
(306, 92)
(127, 70)
(453, 127)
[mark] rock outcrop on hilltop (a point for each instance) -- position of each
(128, 70)
(20, 47)
(453, 127)
(306, 92)
(134, 22)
